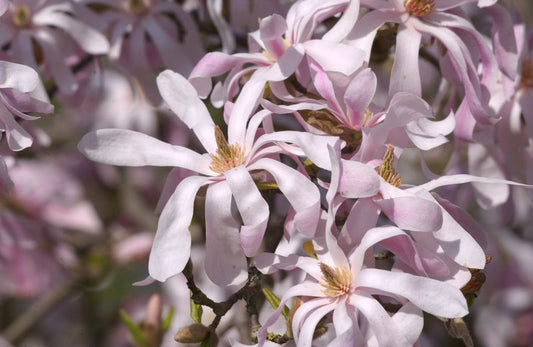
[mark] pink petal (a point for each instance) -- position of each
(359, 95)
(412, 213)
(322, 51)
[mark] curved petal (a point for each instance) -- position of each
(412, 213)
(172, 243)
(322, 51)
(17, 76)
(183, 100)
(315, 147)
(65, 79)
(225, 262)
(89, 39)
(434, 297)
(302, 289)
(304, 337)
(358, 180)
(381, 324)
(359, 95)
(302, 194)
(131, 148)
(410, 321)
(253, 208)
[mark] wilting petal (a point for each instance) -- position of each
(131, 148)
(252, 207)
(434, 297)
(172, 243)
(225, 262)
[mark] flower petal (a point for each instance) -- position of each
(172, 243)
(253, 208)
(131, 148)
(183, 100)
(434, 297)
(302, 194)
(225, 262)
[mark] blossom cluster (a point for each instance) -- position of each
(365, 158)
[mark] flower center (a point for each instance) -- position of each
(272, 56)
(419, 8)
(386, 169)
(137, 7)
(336, 281)
(227, 156)
(22, 16)
(526, 80)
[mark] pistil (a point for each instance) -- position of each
(419, 8)
(22, 16)
(336, 281)
(227, 156)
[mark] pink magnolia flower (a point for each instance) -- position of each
(419, 19)
(53, 27)
(225, 169)
(346, 284)
(148, 35)
(276, 50)
(20, 93)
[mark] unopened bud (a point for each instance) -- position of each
(194, 333)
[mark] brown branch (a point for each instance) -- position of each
(248, 293)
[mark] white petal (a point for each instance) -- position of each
(172, 243)
(131, 148)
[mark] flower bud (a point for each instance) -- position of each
(194, 333)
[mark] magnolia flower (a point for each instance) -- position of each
(346, 284)
(20, 93)
(50, 28)
(147, 35)
(422, 18)
(225, 169)
(276, 50)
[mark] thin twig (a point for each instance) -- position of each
(16, 330)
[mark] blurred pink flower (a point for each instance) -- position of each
(48, 32)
